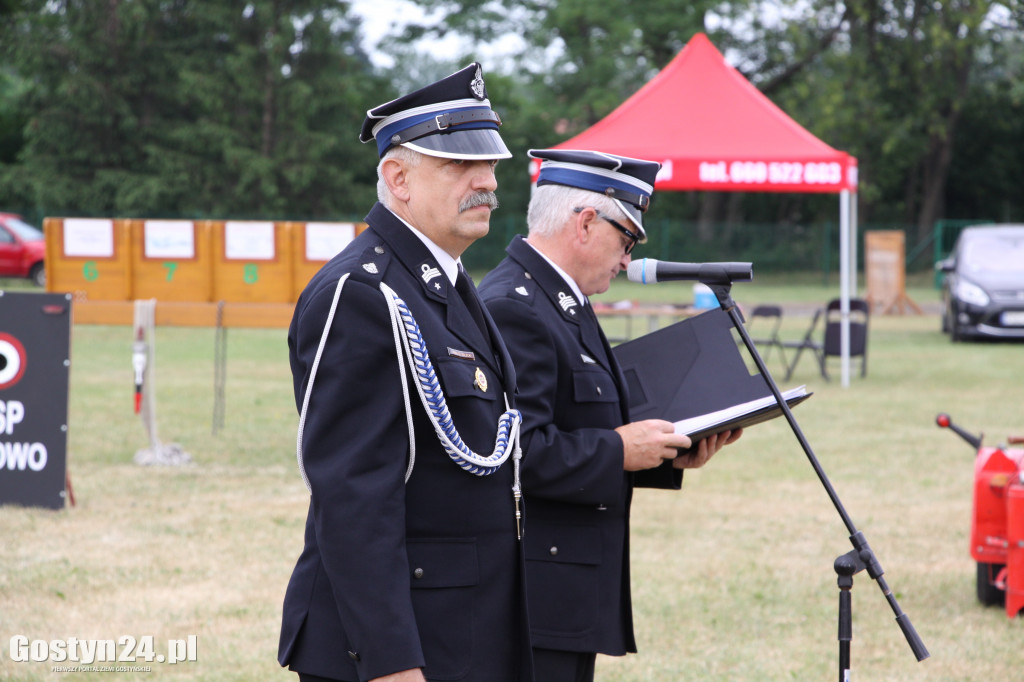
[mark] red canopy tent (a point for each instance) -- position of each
(714, 131)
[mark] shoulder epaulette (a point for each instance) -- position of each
(371, 265)
(523, 288)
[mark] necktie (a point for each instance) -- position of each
(469, 297)
(592, 327)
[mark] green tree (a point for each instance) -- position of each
(281, 92)
(143, 107)
(891, 90)
(985, 179)
(586, 56)
(886, 80)
(920, 59)
(249, 109)
(580, 60)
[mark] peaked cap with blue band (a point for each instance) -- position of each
(451, 118)
(630, 182)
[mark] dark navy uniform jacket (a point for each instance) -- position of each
(571, 394)
(398, 575)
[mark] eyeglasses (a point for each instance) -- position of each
(634, 237)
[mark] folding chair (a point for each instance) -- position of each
(809, 344)
(859, 314)
(772, 314)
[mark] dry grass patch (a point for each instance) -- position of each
(732, 577)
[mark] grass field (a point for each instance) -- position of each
(732, 577)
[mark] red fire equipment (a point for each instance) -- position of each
(997, 527)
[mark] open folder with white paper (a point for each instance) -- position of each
(692, 373)
(739, 416)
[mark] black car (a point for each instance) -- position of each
(983, 290)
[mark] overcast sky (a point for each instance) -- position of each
(383, 16)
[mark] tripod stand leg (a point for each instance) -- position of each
(845, 628)
(846, 566)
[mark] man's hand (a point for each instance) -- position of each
(705, 449)
(410, 675)
(646, 444)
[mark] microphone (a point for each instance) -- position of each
(651, 271)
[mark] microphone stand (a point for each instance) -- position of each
(719, 280)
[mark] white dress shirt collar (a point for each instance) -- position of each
(449, 265)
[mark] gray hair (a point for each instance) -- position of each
(552, 205)
(408, 156)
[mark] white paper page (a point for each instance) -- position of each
(695, 424)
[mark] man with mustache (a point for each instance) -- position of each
(412, 567)
(582, 456)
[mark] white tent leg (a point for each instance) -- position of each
(854, 243)
(845, 278)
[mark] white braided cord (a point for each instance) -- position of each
(397, 334)
(507, 439)
(415, 351)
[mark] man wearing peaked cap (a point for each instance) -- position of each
(582, 456)
(412, 567)
(451, 118)
(628, 182)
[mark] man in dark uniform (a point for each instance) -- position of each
(412, 565)
(582, 456)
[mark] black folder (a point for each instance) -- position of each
(694, 367)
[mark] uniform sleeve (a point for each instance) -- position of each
(580, 465)
(354, 452)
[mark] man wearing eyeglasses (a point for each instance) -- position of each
(582, 456)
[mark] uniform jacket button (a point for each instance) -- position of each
(418, 573)
(353, 655)
(554, 551)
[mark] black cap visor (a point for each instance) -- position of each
(478, 143)
(635, 217)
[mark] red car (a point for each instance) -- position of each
(22, 249)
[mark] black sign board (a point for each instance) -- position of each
(35, 361)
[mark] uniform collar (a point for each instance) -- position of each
(554, 285)
(416, 257)
(449, 265)
(562, 273)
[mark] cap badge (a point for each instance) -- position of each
(429, 273)
(480, 380)
(476, 86)
(567, 302)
